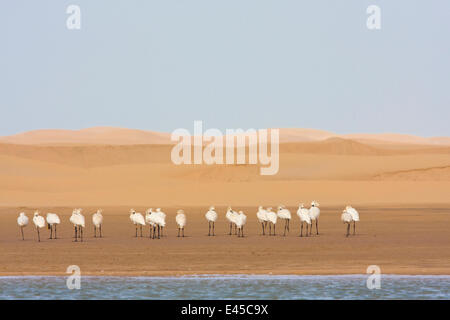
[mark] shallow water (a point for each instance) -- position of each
(227, 287)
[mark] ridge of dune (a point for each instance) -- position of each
(124, 136)
(301, 135)
(94, 135)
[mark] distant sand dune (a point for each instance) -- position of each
(122, 166)
(96, 135)
(123, 136)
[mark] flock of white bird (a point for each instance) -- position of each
(156, 220)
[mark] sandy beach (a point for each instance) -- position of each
(400, 187)
(407, 240)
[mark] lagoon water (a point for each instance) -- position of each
(227, 287)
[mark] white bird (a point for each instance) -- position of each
(78, 221)
(303, 214)
(211, 216)
(285, 215)
(241, 219)
(39, 222)
(138, 220)
(261, 214)
(150, 220)
(181, 221)
(346, 217)
(231, 217)
(22, 221)
(52, 222)
(314, 213)
(355, 216)
(272, 218)
(160, 220)
(97, 220)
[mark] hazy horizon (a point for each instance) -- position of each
(255, 64)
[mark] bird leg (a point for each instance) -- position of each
(95, 232)
(183, 232)
(39, 237)
(140, 226)
(81, 233)
(317, 228)
(301, 229)
(209, 228)
(178, 233)
(348, 229)
(354, 227)
(274, 233)
(100, 231)
(55, 231)
(231, 226)
(262, 226)
(76, 236)
(51, 231)
(213, 229)
(21, 229)
(242, 231)
(136, 232)
(158, 231)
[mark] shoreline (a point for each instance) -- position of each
(222, 275)
(169, 274)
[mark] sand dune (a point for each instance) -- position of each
(122, 136)
(96, 135)
(332, 170)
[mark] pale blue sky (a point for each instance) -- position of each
(160, 65)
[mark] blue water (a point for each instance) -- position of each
(227, 287)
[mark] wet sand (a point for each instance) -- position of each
(400, 239)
